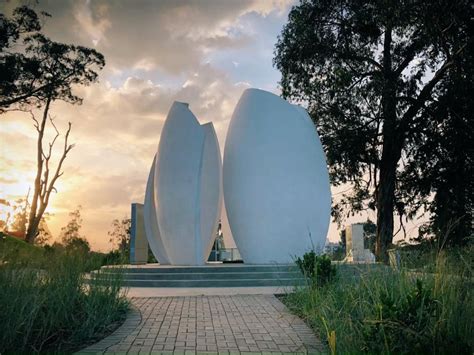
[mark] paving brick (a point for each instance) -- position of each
(211, 324)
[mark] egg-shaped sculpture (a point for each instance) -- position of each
(186, 188)
(275, 178)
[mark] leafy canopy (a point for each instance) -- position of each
(366, 70)
(34, 68)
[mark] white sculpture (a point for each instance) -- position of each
(184, 190)
(152, 230)
(276, 182)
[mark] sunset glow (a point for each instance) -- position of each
(205, 53)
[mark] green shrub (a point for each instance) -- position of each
(46, 303)
(387, 311)
(317, 268)
(402, 324)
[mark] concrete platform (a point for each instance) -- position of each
(146, 292)
(212, 275)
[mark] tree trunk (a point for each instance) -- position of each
(32, 232)
(385, 206)
(391, 152)
(34, 217)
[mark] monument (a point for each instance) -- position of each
(184, 190)
(355, 250)
(138, 241)
(274, 182)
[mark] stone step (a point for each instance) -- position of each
(212, 283)
(203, 269)
(204, 276)
(210, 276)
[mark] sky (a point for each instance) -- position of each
(204, 52)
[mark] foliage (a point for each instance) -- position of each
(36, 69)
(12, 248)
(19, 222)
(340, 252)
(422, 257)
(369, 235)
(403, 324)
(151, 257)
(316, 268)
(36, 72)
(369, 72)
(48, 304)
(70, 234)
(120, 234)
(446, 139)
(387, 311)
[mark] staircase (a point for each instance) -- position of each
(218, 275)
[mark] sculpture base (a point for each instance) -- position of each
(209, 275)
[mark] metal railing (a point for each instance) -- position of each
(225, 255)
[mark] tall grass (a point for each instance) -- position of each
(388, 311)
(47, 305)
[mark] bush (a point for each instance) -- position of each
(46, 303)
(388, 311)
(316, 268)
(403, 322)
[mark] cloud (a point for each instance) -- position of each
(171, 36)
(157, 52)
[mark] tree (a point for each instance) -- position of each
(120, 234)
(70, 234)
(444, 184)
(19, 223)
(342, 242)
(36, 75)
(366, 70)
(370, 230)
(40, 70)
(20, 217)
(15, 68)
(44, 234)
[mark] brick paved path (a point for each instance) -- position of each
(210, 324)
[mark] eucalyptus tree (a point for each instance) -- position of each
(37, 71)
(366, 70)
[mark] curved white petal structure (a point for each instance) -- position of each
(152, 230)
(187, 189)
(229, 241)
(276, 182)
(210, 190)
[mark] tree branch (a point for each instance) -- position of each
(59, 173)
(47, 157)
(425, 92)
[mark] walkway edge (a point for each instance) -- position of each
(133, 320)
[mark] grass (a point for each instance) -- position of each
(387, 311)
(46, 305)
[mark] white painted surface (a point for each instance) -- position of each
(152, 230)
(186, 188)
(229, 241)
(276, 182)
(211, 190)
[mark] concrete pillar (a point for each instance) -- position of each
(138, 241)
(355, 251)
(355, 239)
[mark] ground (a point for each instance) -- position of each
(210, 324)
